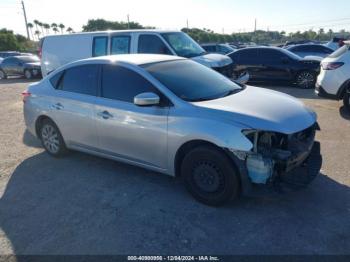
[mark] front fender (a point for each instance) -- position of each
(224, 135)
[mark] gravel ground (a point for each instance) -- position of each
(87, 205)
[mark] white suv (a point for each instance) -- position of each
(334, 79)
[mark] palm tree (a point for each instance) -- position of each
(47, 28)
(36, 22)
(37, 33)
(61, 26)
(55, 30)
(41, 27)
(70, 30)
(30, 26)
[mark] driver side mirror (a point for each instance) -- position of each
(146, 99)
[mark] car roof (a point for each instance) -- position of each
(118, 31)
(135, 59)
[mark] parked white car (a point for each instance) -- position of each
(58, 50)
(334, 79)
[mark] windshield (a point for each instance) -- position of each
(183, 45)
(192, 81)
(339, 52)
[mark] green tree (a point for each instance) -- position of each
(8, 40)
(70, 30)
(47, 28)
(101, 25)
(61, 26)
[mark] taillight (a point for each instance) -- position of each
(25, 95)
(331, 65)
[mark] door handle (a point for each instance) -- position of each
(57, 106)
(105, 115)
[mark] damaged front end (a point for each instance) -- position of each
(276, 157)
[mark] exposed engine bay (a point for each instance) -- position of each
(274, 154)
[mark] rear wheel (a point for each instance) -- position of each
(210, 176)
(346, 99)
(2, 75)
(306, 79)
(52, 139)
(28, 74)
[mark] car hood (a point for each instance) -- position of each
(213, 60)
(263, 109)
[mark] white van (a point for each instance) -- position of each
(58, 50)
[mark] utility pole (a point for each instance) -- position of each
(187, 23)
(128, 21)
(255, 25)
(25, 19)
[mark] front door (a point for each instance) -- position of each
(127, 131)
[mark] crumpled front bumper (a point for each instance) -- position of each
(305, 173)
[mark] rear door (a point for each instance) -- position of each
(247, 60)
(9, 65)
(127, 131)
(73, 105)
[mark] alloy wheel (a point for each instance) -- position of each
(28, 74)
(2, 75)
(49, 136)
(305, 80)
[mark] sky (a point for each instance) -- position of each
(221, 15)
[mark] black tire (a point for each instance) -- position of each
(52, 139)
(28, 74)
(210, 176)
(306, 79)
(346, 100)
(2, 74)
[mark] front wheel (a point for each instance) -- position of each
(52, 139)
(346, 99)
(28, 74)
(210, 176)
(306, 80)
(2, 75)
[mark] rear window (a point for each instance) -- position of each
(340, 51)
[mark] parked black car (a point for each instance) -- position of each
(272, 64)
(310, 50)
(27, 66)
(223, 49)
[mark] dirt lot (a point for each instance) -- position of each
(87, 205)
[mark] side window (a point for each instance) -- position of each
(80, 79)
(247, 56)
(120, 45)
(209, 48)
(55, 80)
(268, 55)
(99, 46)
(123, 84)
(222, 49)
(9, 61)
(152, 44)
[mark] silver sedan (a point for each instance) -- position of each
(177, 117)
